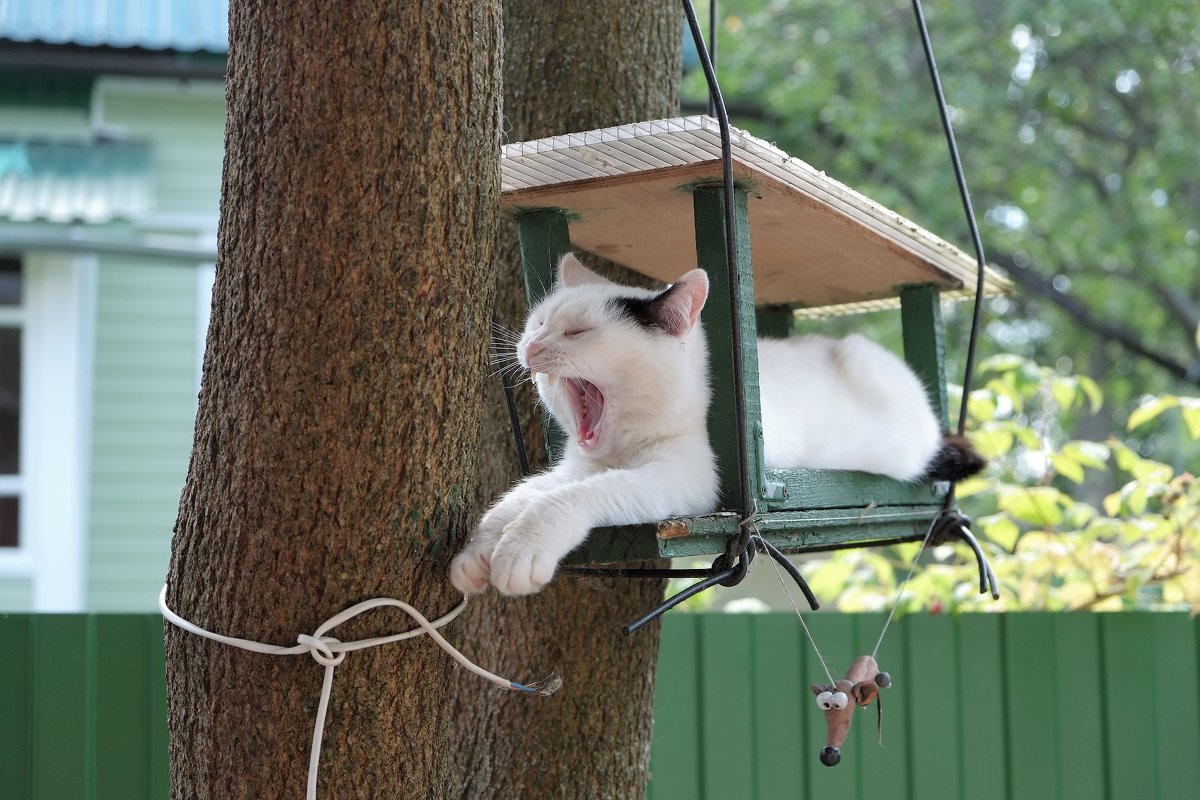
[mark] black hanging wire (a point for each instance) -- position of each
(950, 522)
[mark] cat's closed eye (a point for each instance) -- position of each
(571, 334)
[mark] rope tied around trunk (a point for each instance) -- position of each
(329, 652)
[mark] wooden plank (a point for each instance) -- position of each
(719, 317)
(933, 705)
(924, 347)
(817, 242)
(62, 735)
(1176, 704)
(545, 239)
(1129, 699)
(1030, 700)
(794, 531)
(981, 706)
(781, 699)
(156, 669)
(727, 723)
(16, 677)
(883, 763)
(834, 634)
(1075, 648)
(675, 752)
(122, 749)
(828, 488)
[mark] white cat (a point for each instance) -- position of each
(624, 371)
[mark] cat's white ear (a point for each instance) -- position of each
(679, 307)
(573, 273)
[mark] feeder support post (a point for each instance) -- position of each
(924, 345)
(545, 239)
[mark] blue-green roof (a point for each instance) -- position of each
(98, 181)
(180, 25)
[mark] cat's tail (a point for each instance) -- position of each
(956, 459)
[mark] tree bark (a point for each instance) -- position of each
(569, 66)
(337, 437)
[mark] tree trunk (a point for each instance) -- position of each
(336, 443)
(569, 66)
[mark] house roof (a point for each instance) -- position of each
(176, 25)
(77, 181)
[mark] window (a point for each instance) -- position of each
(11, 330)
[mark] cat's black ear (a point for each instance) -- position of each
(573, 273)
(677, 309)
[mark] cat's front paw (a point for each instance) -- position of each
(469, 571)
(522, 562)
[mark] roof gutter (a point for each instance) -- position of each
(72, 243)
(73, 59)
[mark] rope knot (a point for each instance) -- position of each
(319, 648)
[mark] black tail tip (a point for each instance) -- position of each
(957, 459)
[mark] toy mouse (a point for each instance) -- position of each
(860, 686)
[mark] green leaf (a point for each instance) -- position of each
(1065, 392)
(993, 440)
(1191, 415)
(1001, 530)
(1040, 506)
(981, 406)
(1092, 390)
(1067, 466)
(1090, 454)
(1148, 411)
(1004, 362)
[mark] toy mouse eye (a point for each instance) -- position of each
(825, 700)
(571, 334)
(839, 700)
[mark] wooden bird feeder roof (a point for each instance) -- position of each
(815, 242)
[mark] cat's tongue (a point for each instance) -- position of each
(588, 403)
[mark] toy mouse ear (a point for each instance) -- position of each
(864, 692)
(818, 688)
(883, 680)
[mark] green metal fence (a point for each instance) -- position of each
(1019, 707)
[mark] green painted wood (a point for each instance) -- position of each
(123, 748)
(1176, 698)
(727, 719)
(781, 698)
(675, 754)
(1030, 704)
(983, 745)
(827, 488)
(16, 712)
(834, 634)
(62, 742)
(545, 238)
(924, 347)
(1129, 701)
(1078, 691)
(882, 764)
(933, 706)
(156, 671)
(708, 204)
(774, 322)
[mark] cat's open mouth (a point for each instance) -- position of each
(587, 401)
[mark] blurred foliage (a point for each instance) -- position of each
(1138, 547)
(1076, 120)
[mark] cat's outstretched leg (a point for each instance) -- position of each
(536, 540)
(470, 569)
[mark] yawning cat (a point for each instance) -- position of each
(625, 373)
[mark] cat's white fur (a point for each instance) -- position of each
(836, 404)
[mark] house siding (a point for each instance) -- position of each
(144, 404)
(16, 594)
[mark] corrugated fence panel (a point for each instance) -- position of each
(83, 707)
(987, 707)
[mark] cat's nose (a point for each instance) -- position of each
(533, 350)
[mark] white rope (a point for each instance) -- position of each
(900, 592)
(330, 652)
(799, 616)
